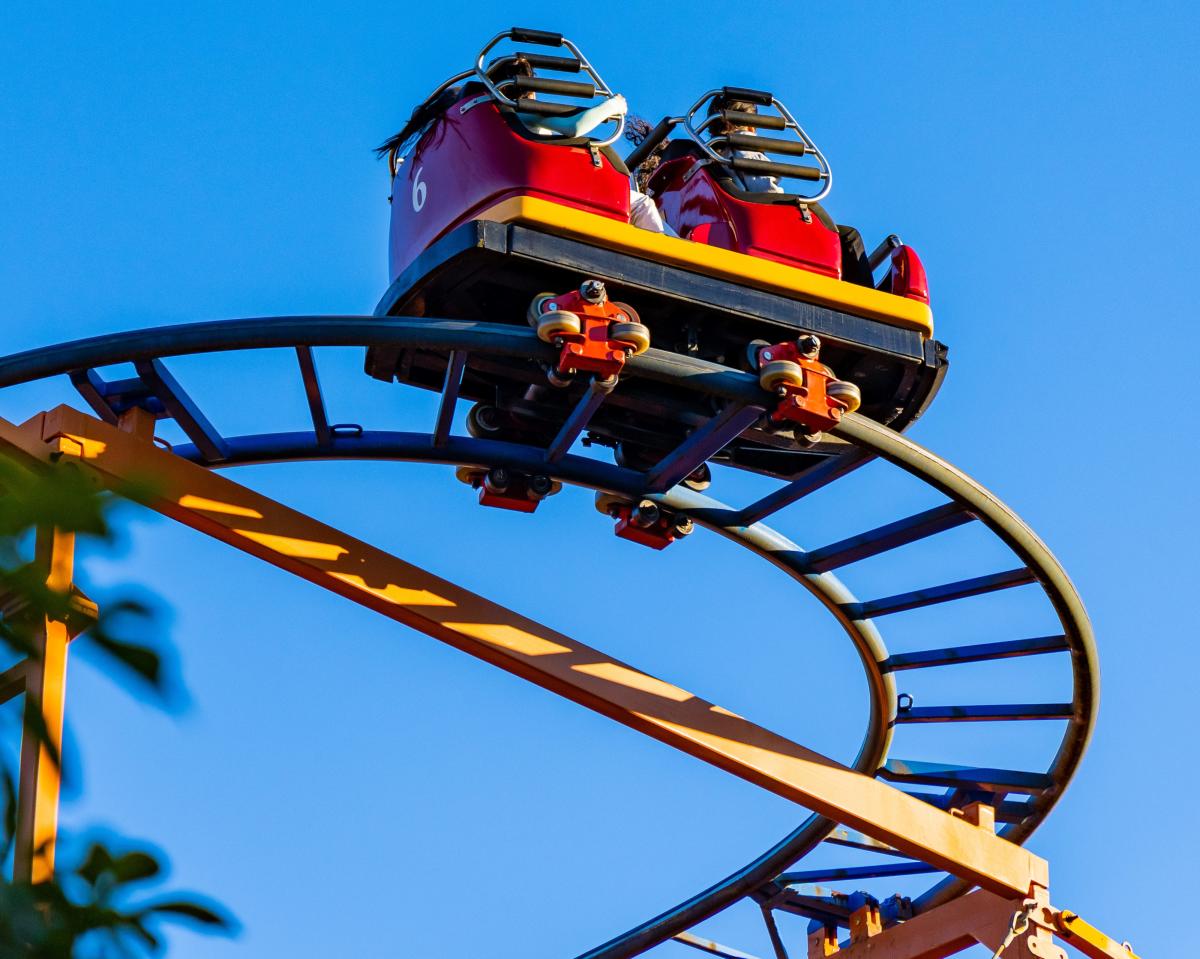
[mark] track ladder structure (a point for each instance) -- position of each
(960, 825)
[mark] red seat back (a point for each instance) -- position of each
(698, 207)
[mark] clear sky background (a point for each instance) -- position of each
(350, 788)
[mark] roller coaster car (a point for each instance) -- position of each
(720, 186)
(507, 198)
(473, 145)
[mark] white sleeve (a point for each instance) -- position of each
(644, 214)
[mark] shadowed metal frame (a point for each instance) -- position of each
(811, 569)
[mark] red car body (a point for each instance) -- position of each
(907, 275)
(699, 209)
(474, 157)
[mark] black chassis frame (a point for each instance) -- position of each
(490, 271)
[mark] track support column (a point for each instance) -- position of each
(45, 694)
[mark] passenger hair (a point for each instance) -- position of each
(717, 104)
(508, 68)
(636, 130)
(421, 116)
(434, 107)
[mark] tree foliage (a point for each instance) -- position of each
(96, 905)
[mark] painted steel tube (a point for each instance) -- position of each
(1085, 665)
(678, 371)
(216, 336)
(272, 331)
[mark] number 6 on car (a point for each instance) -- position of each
(418, 191)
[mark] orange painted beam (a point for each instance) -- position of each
(13, 681)
(45, 677)
(295, 542)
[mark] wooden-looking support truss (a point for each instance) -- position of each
(213, 504)
(1012, 879)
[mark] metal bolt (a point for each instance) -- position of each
(809, 345)
(622, 318)
(550, 307)
(539, 485)
(593, 291)
(766, 354)
(683, 524)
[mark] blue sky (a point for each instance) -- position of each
(351, 788)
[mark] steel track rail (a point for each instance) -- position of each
(743, 526)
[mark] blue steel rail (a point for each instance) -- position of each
(769, 878)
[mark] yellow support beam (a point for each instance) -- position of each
(295, 542)
(1089, 940)
(45, 682)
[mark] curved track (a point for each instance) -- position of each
(766, 877)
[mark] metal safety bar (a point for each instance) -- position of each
(734, 140)
(576, 63)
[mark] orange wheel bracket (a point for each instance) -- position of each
(793, 370)
(509, 489)
(645, 521)
(593, 334)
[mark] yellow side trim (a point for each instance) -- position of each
(713, 261)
